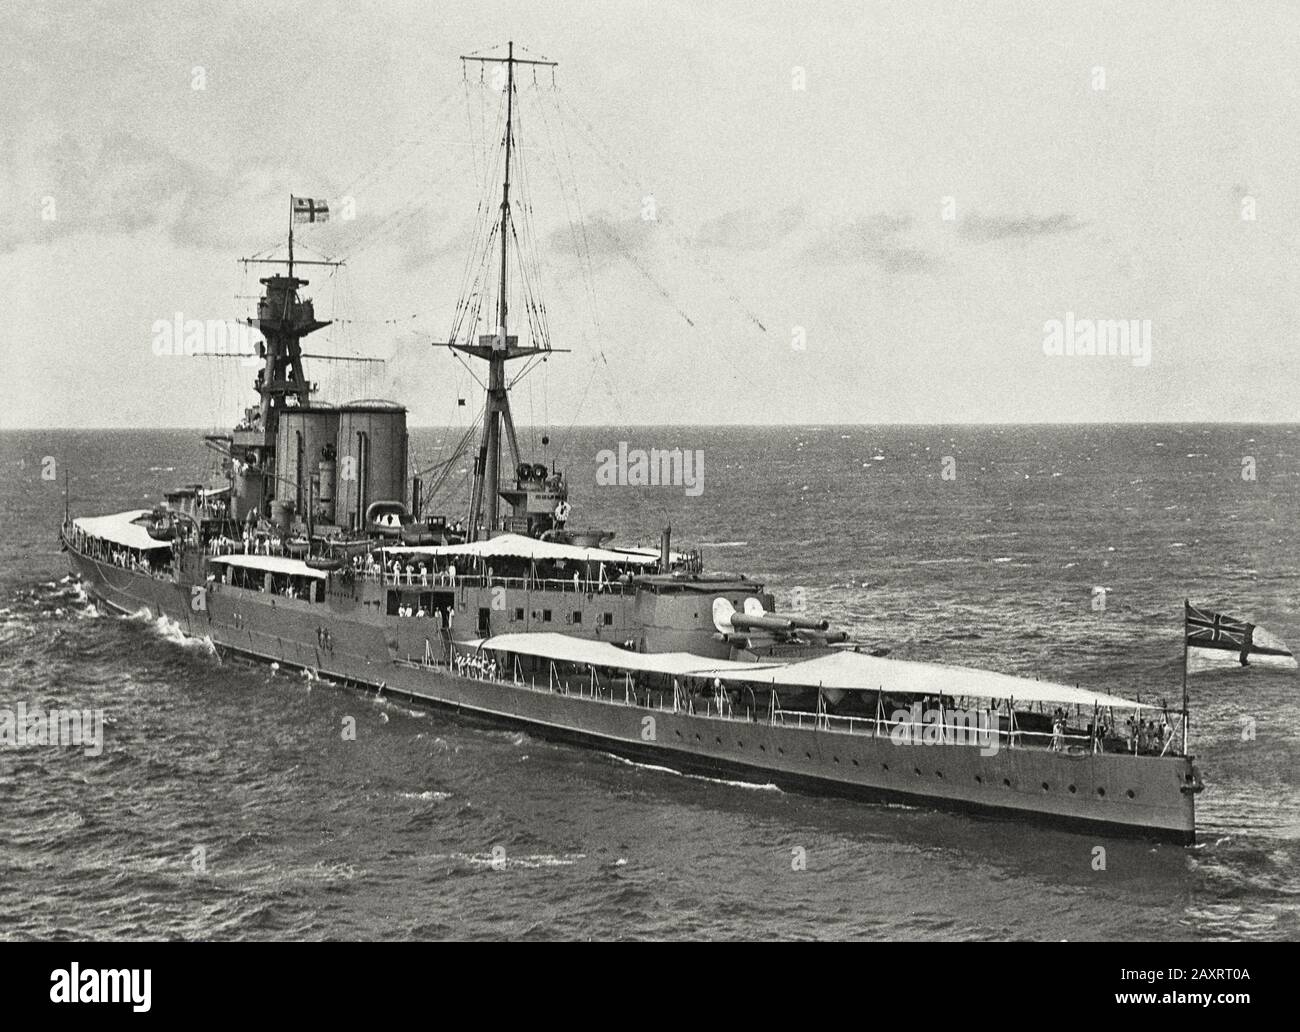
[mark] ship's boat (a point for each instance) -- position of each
(325, 562)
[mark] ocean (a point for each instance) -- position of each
(226, 804)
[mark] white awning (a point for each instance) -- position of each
(566, 649)
(855, 671)
(120, 529)
(270, 564)
(519, 546)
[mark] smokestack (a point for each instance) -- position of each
(415, 497)
(665, 549)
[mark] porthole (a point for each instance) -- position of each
(856, 764)
(916, 771)
(1046, 787)
(718, 739)
(808, 754)
(1073, 790)
(739, 744)
(836, 759)
(762, 748)
(679, 734)
(1006, 782)
(1101, 792)
(780, 751)
(884, 766)
(697, 737)
(1130, 793)
(979, 780)
(939, 774)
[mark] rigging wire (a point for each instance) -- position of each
(675, 235)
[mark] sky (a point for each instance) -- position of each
(738, 212)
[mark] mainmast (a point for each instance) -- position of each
(501, 347)
(505, 186)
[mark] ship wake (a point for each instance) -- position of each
(755, 786)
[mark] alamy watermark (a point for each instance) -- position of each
(1130, 338)
(181, 336)
(946, 727)
(657, 467)
(74, 984)
(26, 728)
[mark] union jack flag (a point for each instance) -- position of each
(1216, 631)
(1215, 636)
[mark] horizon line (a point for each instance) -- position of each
(730, 425)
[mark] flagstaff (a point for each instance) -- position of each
(1186, 603)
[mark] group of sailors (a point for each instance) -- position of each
(422, 572)
(476, 665)
(411, 573)
(128, 559)
(419, 612)
(117, 555)
(270, 583)
(250, 544)
(1146, 737)
(1143, 737)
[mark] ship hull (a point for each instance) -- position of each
(1107, 793)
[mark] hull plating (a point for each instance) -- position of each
(1110, 793)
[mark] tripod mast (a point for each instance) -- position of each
(499, 348)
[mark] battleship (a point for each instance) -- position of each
(319, 551)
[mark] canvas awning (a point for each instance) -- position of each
(270, 564)
(856, 671)
(518, 546)
(120, 529)
(566, 649)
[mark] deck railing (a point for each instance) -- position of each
(414, 579)
(621, 693)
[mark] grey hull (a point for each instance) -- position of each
(1115, 794)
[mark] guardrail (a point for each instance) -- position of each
(665, 702)
(414, 579)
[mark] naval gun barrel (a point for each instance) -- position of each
(742, 622)
(803, 622)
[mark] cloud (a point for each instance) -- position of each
(601, 237)
(1004, 227)
(749, 230)
(877, 240)
(127, 185)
